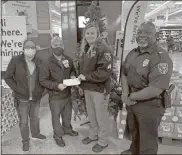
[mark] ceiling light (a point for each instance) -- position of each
(178, 3)
(152, 5)
(71, 3)
(54, 11)
(64, 4)
(57, 3)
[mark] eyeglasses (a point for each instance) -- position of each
(27, 47)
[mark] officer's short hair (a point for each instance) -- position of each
(149, 24)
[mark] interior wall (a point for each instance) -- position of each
(69, 26)
(112, 9)
(43, 24)
(80, 12)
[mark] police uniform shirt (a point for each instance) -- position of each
(150, 68)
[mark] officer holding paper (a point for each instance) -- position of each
(58, 67)
(146, 75)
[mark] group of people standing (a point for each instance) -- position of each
(146, 73)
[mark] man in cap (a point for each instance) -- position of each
(146, 74)
(53, 71)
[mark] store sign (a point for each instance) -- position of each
(136, 17)
(23, 8)
(12, 38)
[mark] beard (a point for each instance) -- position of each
(142, 42)
(143, 45)
(58, 51)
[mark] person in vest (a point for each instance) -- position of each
(22, 77)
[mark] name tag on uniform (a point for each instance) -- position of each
(145, 62)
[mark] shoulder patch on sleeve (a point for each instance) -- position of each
(107, 56)
(163, 68)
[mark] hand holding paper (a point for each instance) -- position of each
(81, 77)
(62, 86)
(71, 82)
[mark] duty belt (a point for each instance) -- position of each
(151, 99)
(146, 100)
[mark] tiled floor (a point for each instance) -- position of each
(11, 141)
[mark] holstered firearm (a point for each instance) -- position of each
(166, 96)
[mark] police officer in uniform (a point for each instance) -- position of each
(146, 74)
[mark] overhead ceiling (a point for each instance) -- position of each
(152, 5)
(174, 11)
(158, 8)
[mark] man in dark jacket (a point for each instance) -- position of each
(53, 72)
(22, 77)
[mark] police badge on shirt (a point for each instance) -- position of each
(145, 62)
(107, 56)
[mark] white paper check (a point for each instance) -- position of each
(71, 82)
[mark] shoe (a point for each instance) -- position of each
(60, 142)
(39, 137)
(98, 148)
(126, 152)
(87, 140)
(72, 133)
(25, 147)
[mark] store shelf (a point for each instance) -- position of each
(171, 135)
(171, 123)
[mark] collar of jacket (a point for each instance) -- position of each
(53, 59)
(149, 49)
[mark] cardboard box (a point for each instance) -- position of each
(166, 127)
(171, 135)
(167, 118)
(178, 99)
(177, 119)
(165, 134)
(173, 93)
(169, 111)
(178, 111)
(178, 128)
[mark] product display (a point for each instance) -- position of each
(9, 116)
(176, 35)
(171, 124)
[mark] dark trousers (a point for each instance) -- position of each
(61, 108)
(27, 109)
(143, 122)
